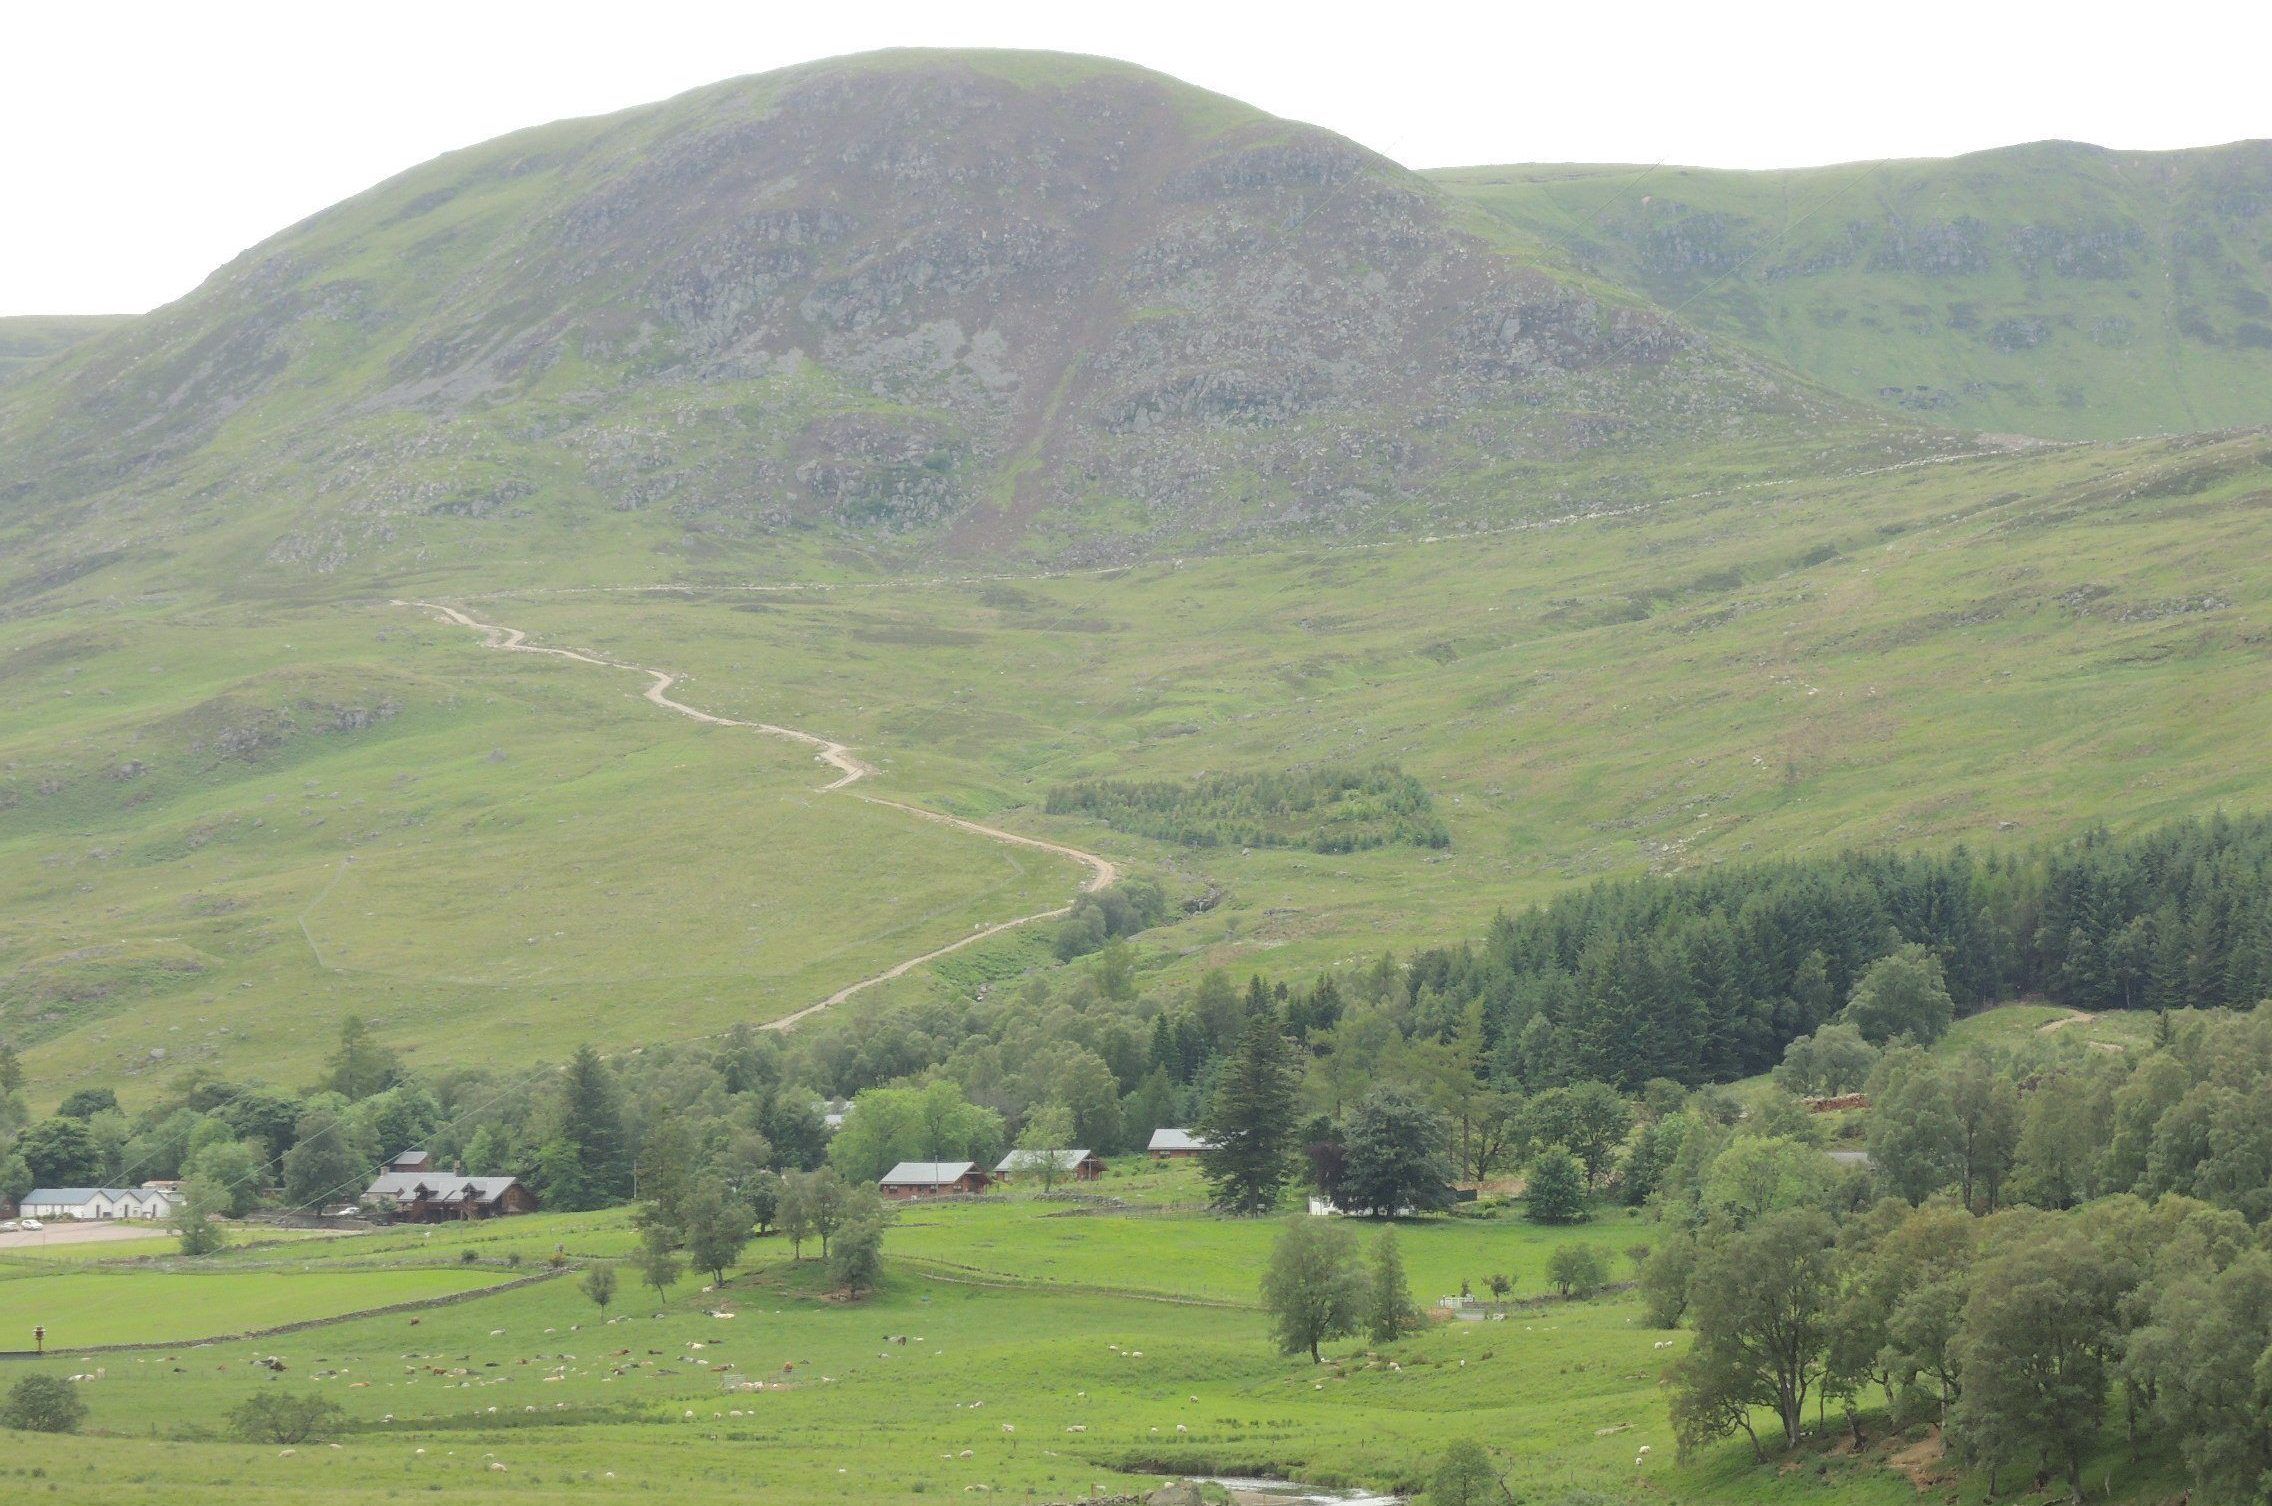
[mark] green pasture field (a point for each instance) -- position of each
(156, 1242)
(111, 1305)
(1089, 1365)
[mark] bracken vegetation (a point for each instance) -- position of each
(1327, 809)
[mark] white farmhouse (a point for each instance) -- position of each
(153, 1204)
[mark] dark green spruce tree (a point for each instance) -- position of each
(586, 1163)
(1249, 1122)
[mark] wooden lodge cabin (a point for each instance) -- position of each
(912, 1179)
(1176, 1145)
(410, 1191)
(1072, 1165)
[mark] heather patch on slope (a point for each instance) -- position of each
(1335, 808)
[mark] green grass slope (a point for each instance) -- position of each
(225, 829)
(228, 824)
(27, 339)
(1996, 649)
(2053, 289)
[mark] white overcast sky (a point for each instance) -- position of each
(141, 145)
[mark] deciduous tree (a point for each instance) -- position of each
(1902, 994)
(1555, 1192)
(1313, 1288)
(1393, 1156)
(1760, 1305)
(1389, 1310)
(2032, 1353)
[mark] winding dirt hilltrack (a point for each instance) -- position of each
(851, 769)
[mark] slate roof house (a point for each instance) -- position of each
(152, 1203)
(411, 1191)
(932, 1179)
(1176, 1145)
(1080, 1165)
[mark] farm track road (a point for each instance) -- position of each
(851, 769)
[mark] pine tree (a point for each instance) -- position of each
(590, 1141)
(361, 1066)
(1249, 1122)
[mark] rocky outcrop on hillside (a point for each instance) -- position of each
(996, 300)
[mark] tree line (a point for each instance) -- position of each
(1707, 977)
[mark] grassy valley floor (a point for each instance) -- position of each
(1037, 1348)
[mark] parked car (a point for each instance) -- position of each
(31, 1224)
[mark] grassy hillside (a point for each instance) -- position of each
(225, 828)
(1991, 649)
(2052, 289)
(27, 339)
(1017, 419)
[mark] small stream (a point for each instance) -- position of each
(1252, 1492)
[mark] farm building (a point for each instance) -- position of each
(1080, 1165)
(1176, 1145)
(412, 1191)
(932, 1179)
(153, 1203)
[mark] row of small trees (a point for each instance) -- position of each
(694, 1209)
